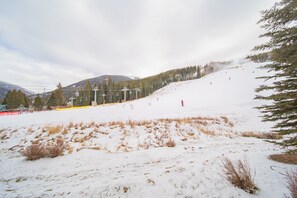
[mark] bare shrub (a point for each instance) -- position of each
(240, 175)
(55, 149)
(39, 150)
(291, 179)
(170, 143)
(34, 151)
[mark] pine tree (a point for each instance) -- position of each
(38, 104)
(59, 95)
(280, 25)
(52, 100)
(87, 94)
(15, 98)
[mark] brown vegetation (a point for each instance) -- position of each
(284, 158)
(39, 149)
(271, 136)
(34, 151)
(170, 143)
(291, 179)
(53, 129)
(239, 175)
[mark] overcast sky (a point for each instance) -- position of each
(50, 41)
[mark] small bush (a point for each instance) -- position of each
(55, 149)
(34, 151)
(240, 176)
(41, 150)
(291, 179)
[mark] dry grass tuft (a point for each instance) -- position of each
(70, 125)
(30, 130)
(284, 158)
(206, 131)
(227, 121)
(91, 125)
(240, 176)
(271, 136)
(132, 124)
(53, 129)
(34, 152)
(55, 149)
(170, 143)
(41, 149)
(291, 179)
(121, 125)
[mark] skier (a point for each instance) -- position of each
(182, 103)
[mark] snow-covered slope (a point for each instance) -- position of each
(227, 92)
(121, 150)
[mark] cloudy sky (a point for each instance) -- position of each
(50, 41)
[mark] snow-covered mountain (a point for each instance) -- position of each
(5, 87)
(120, 150)
(71, 89)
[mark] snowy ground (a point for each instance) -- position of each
(121, 150)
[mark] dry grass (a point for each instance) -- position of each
(284, 158)
(240, 175)
(271, 136)
(170, 143)
(132, 124)
(55, 149)
(227, 121)
(206, 131)
(30, 130)
(52, 129)
(34, 152)
(39, 149)
(291, 179)
(70, 125)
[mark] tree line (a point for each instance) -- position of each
(108, 91)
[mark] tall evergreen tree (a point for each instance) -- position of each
(56, 98)
(87, 94)
(38, 104)
(280, 25)
(59, 95)
(51, 102)
(16, 98)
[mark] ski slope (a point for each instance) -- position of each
(119, 150)
(227, 92)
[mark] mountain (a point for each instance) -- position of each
(71, 89)
(5, 87)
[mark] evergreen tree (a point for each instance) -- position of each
(38, 104)
(15, 98)
(52, 100)
(59, 95)
(280, 25)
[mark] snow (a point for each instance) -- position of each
(119, 150)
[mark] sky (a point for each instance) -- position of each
(46, 42)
